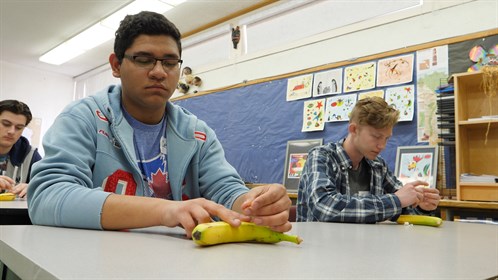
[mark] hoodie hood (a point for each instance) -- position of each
(19, 151)
(109, 103)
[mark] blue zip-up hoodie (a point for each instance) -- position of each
(89, 153)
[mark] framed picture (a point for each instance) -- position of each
(295, 157)
(417, 163)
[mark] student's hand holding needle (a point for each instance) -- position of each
(6, 183)
(20, 189)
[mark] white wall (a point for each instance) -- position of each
(46, 94)
(93, 82)
(433, 20)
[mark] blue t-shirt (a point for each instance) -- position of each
(151, 152)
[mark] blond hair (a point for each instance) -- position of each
(375, 112)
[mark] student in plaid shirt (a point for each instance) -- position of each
(348, 181)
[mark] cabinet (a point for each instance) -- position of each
(473, 153)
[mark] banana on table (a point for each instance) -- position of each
(420, 220)
(221, 232)
(7, 196)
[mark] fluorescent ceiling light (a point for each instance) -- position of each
(103, 31)
(135, 7)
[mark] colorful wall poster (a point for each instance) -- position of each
(33, 132)
(295, 158)
(339, 107)
(402, 98)
(417, 163)
(395, 70)
(299, 87)
(359, 77)
(432, 72)
(373, 93)
(327, 82)
(481, 57)
(313, 114)
(296, 165)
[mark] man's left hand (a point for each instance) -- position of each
(430, 200)
(20, 189)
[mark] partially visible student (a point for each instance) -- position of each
(129, 158)
(349, 182)
(16, 154)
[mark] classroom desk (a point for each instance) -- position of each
(329, 251)
(14, 212)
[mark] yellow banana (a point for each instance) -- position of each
(7, 196)
(221, 232)
(420, 220)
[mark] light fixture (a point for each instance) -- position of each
(103, 31)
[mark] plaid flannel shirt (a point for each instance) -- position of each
(324, 192)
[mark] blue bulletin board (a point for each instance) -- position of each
(254, 123)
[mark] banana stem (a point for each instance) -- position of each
(292, 238)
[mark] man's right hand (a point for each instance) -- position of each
(126, 212)
(189, 213)
(6, 183)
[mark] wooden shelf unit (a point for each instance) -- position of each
(476, 152)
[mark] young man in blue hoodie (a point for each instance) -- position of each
(16, 154)
(128, 158)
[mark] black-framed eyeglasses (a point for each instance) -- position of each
(149, 62)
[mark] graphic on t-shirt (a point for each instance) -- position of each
(157, 176)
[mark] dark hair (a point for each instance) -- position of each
(143, 23)
(16, 107)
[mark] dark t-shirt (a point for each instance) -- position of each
(359, 180)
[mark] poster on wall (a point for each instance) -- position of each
(432, 72)
(313, 114)
(33, 132)
(481, 56)
(359, 77)
(327, 82)
(299, 87)
(395, 70)
(402, 98)
(462, 56)
(373, 93)
(339, 107)
(295, 158)
(417, 163)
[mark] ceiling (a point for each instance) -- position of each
(29, 28)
